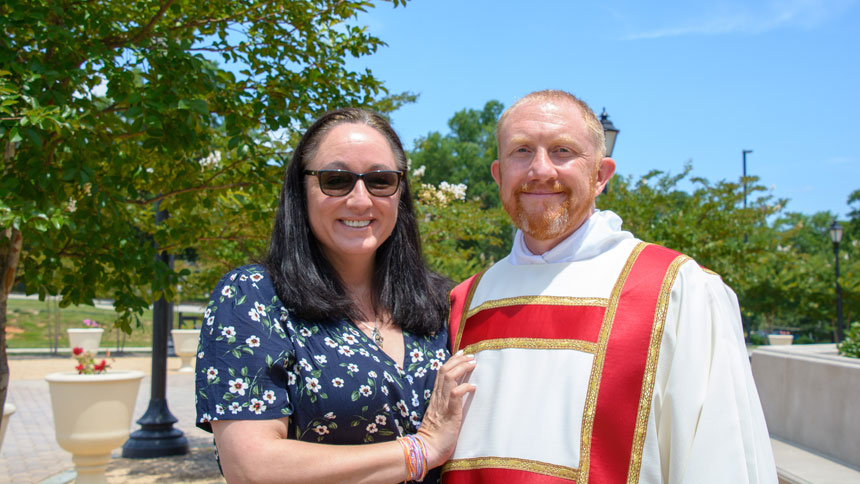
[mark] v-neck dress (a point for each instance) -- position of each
(256, 361)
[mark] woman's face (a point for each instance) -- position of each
(353, 226)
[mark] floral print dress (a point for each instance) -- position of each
(256, 361)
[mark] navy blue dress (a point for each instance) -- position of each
(256, 362)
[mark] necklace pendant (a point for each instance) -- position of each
(377, 337)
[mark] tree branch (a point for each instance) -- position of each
(164, 196)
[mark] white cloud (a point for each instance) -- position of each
(737, 17)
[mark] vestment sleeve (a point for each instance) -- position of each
(243, 351)
(708, 416)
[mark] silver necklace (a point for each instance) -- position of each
(374, 332)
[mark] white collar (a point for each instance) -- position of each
(599, 233)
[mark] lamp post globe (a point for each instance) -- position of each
(610, 133)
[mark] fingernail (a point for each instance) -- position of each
(458, 353)
(470, 356)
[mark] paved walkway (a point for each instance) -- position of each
(30, 453)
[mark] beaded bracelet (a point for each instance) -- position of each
(415, 452)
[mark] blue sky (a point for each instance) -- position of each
(683, 81)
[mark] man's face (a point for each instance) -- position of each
(548, 172)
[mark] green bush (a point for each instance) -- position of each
(850, 346)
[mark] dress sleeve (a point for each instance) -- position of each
(710, 424)
(243, 352)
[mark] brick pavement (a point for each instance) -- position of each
(30, 453)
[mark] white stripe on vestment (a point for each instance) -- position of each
(525, 410)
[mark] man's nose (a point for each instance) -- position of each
(542, 167)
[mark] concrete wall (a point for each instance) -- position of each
(811, 397)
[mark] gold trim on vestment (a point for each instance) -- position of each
(601, 302)
(650, 375)
(597, 367)
(466, 305)
(531, 344)
(708, 271)
(537, 467)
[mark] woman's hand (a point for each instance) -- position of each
(444, 416)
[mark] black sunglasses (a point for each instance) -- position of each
(338, 183)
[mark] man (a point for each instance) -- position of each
(601, 359)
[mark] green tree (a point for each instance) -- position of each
(464, 155)
(110, 111)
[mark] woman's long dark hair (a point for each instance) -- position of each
(305, 281)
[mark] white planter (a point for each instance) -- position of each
(8, 410)
(780, 339)
(185, 343)
(87, 338)
(92, 416)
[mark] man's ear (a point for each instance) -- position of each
(497, 175)
(604, 173)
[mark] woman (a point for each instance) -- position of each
(339, 336)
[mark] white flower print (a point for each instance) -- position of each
(350, 339)
(410, 379)
(353, 331)
(313, 384)
(269, 396)
(229, 331)
(257, 406)
(210, 320)
(235, 408)
(329, 416)
(371, 428)
(321, 429)
(256, 277)
(233, 276)
(414, 418)
(227, 291)
(304, 364)
(420, 372)
(305, 332)
(416, 355)
(440, 353)
(376, 358)
(404, 410)
(352, 367)
(321, 359)
(381, 419)
(388, 377)
(253, 341)
(414, 399)
(384, 389)
(330, 342)
(346, 351)
(365, 390)
(363, 352)
(243, 277)
(205, 418)
(386, 407)
(207, 313)
(435, 364)
(238, 386)
(219, 409)
(337, 382)
(427, 393)
(211, 373)
(255, 316)
(399, 427)
(278, 327)
(291, 378)
(200, 355)
(260, 308)
(371, 374)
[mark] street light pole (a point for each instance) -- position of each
(156, 436)
(745, 176)
(836, 238)
(610, 133)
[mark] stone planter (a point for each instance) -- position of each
(185, 343)
(8, 410)
(780, 339)
(87, 338)
(92, 416)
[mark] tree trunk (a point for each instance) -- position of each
(10, 250)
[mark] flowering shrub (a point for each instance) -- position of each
(90, 323)
(850, 346)
(87, 364)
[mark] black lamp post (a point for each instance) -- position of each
(836, 238)
(157, 437)
(745, 175)
(610, 132)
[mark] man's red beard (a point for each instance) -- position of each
(555, 221)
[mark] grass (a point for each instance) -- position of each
(31, 323)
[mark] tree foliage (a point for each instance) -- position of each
(110, 111)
